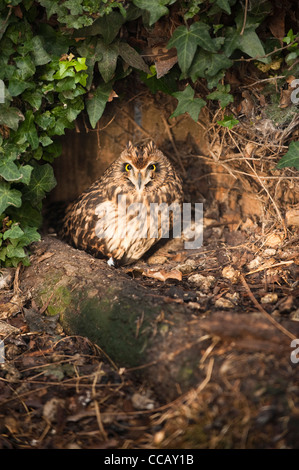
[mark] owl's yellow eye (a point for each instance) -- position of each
(152, 167)
(128, 167)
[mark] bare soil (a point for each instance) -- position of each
(61, 391)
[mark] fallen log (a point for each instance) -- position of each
(151, 335)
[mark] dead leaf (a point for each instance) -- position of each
(18, 12)
(247, 104)
(249, 149)
(7, 329)
(164, 60)
(276, 23)
(285, 98)
(112, 95)
(68, 57)
(162, 275)
(12, 307)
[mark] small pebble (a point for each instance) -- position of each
(223, 303)
(205, 283)
(274, 240)
(157, 259)
(255, 262)
(268, 252)
(230, 273)
(270, 298)
(187, 267)
(235, 297)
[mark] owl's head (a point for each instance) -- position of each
(143, 167)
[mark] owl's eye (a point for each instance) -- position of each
(152, 167)
(128, 167)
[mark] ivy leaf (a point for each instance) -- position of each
(96, 104)
(9, 170)
(25, 66)
(34, 98)
(26, 215)
(14, 232)
(107, 26)
(222, 94)
(156, 8)
(131, 57)
(30, 235)
(29, 130)
(45, 140)
(208, 65)
(187, 103)
(291, 158)
(25, 171)
(186, 41)
(107, 63)
(40, 55)
(228, 121)
(55, 42)
(9, 197)
(16, 86)
(10, 117)
(42, 181)
(251, 44)
(45, 120)
(15, 252)
(224, 5)
(231, 42)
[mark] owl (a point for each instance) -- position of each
(126, 211)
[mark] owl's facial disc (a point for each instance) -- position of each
(140, 177)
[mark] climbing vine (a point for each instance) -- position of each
(61, 57)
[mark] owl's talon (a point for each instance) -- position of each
(110, 262)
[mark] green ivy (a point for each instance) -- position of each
(59, 57)
(291, 158)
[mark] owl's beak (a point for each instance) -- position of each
(139, 180)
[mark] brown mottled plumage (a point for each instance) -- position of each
(142, 174)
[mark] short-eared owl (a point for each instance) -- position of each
(116, 216)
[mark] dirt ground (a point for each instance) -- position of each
(59, 391)
(241, 287)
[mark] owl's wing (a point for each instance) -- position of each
(86, 220)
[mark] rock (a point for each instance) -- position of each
(187, 267)
(274, 240)
(235, 297)
(142, 402)
(230, 273)
(53, 409)
(268, 252)
(223, 303)
(270, 298)
(205, 283)
(255, 262)
(194, 305)
(157, 259)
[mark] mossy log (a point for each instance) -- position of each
(153, 335)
